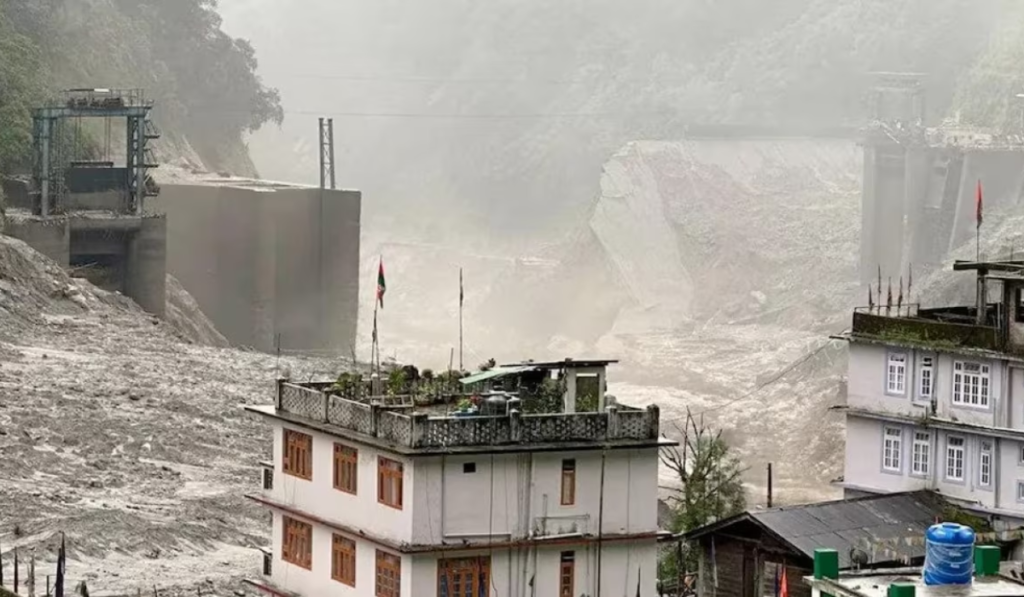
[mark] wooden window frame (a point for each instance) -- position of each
(297, 454)
(343, 560)
(567, 496)
(390, 481)
(297, 542)
(477, 568)
(346, 459)
(387, 562)
(566, 573)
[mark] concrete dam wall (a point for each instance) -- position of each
(270, 265)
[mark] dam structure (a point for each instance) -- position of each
(88, 214)
(919, 194)
(274, 266)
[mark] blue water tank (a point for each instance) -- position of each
(948, 554)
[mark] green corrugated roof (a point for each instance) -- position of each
(495, 373)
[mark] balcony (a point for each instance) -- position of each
(421, 428)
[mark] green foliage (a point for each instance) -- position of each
(546, 397)
(348, 384)
(398, 382)
(710, 486)
(20, 88)
(204, 81)
(960, 516)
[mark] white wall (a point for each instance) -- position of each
(318, 581)
(867, 386)
(509, 495)
(863, 467)
(622, 564)
(320, 498)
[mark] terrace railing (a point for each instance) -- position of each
(419, 430)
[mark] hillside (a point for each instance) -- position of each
(207, 91)
(500, 115)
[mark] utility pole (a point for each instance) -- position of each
(769, 485)
(327, 154)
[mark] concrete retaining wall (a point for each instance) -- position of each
(267, 262)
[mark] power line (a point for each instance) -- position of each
(759, 387)
(414, 115)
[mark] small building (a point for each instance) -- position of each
(934, 398)
(741, 556)
(421, 495)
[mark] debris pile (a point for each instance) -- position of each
(126, 433)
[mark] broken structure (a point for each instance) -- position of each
(919, 182)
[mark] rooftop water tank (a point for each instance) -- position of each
(495, 406)
(948, 554)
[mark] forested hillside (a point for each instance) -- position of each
(205, 82)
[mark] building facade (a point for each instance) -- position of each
(396, 501)
(935, 399)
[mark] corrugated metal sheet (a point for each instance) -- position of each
(849, 524)
(494, 373)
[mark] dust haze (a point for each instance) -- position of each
(673, 183)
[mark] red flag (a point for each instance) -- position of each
(783, 584)
(979, 204)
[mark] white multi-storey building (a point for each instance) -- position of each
(409, 501)
(935, 399)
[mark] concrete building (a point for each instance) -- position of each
(376, 496)
(919, 181)
(272, 265)
(935, 398)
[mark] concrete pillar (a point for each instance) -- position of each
(569, 398)
(146, 266)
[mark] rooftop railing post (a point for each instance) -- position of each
(653, 421)
(614, 424)
(515, 426)
(418, 427)
(280, 390)
(374, 418)
(325, 406)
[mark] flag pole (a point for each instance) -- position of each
(461, 299)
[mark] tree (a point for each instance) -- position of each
(709, 487)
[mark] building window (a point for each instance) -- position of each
(464, 577)
(922, 453)
(955, 458)
(970, 384)
(896, 380)
(892, 449)
(1020, 491)
(566, 574)
(389, 575)
(298, 454)
(926, 380)
(468, 467)
(346, 468)
(343, 560)
(985, 463)
(569, 482)
(1020, 455)
(389, 482)
(297, 544)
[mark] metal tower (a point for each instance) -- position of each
(327, 153)
(55, 144)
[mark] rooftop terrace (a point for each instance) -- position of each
(996, 327)
(495, 421)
